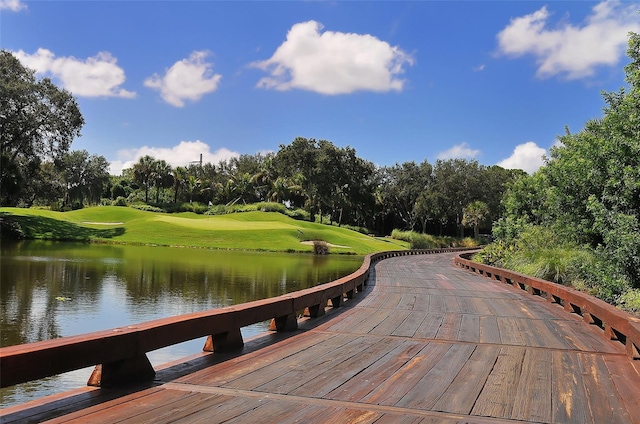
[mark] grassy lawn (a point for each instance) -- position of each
(268, 231)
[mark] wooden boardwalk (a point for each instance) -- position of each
(426, 343)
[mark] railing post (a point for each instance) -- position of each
(284, 323)
(224, 342)
(122, 372)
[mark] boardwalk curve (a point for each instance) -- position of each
(427, 343)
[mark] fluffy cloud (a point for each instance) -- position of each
(187, 79)
(527, 156)
(180, 155)
(460, 151)
(12, 5)
(97, 76)
(333, 62)
(573, 51)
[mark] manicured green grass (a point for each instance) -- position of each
(268, 231)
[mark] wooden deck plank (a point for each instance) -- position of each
(626, 382)
(509, 332)
(410, 324)
(346, 369)
(287, 379)
(122, 408)
(568, 399)
(462, 393)
(408, 301)
(533, 394)
(435, 382)
(450, 327)
(181, 410)
(606, 405)
(436, 303)
(469, 328)
(489, 331)
(429, 326)
(310, 356)
(397, 385)
(496, 398)
(391, 323)
(237, 367)
(374, 375)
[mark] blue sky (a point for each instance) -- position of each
(495, 81)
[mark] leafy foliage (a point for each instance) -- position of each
(38, 123)
(578, 218)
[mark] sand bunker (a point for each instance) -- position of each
(310, 243)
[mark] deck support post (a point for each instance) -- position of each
(224, 342)
(284, 323)
(122, 372)
(336, 301)
(350, 294)
(316, 311)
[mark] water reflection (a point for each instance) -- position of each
(51, 290)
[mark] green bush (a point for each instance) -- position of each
(428, 241)
(299, 214)
(630, 301)
(147, 208)
(320, 247)
(271, 207)
(119, 201)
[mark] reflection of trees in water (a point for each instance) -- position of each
(30, 292)
(152, 282)
(221, 283)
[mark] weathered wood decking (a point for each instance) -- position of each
(427, 343)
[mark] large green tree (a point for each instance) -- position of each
(85, 176)
(38, 122)
(589, 189)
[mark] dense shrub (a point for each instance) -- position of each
(299, 214)
(428, 241)
(545, 253)
(147, 208)
(320, 247)
(10, 229)
(119, 201)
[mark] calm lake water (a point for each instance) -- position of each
(50, 290)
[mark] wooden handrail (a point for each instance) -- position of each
(616, 325)
(119, 354)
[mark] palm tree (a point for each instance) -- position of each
(142, 172)
(179, 179)
(192, 184)
(162, 176)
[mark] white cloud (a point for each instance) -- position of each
(460, 151)
(180, 155)
(333, 62)
(479, 68)
(573, 51)
(527, 156)
(187, 79)
(97, 76)
(12, 5)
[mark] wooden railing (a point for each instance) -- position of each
(120, 356)
(616, 325)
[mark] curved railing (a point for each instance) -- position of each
(616, 325)
(120, 356)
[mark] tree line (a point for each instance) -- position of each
(40, 121)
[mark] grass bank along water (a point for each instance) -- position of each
(262, 231)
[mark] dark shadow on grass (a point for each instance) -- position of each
(38, 227)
